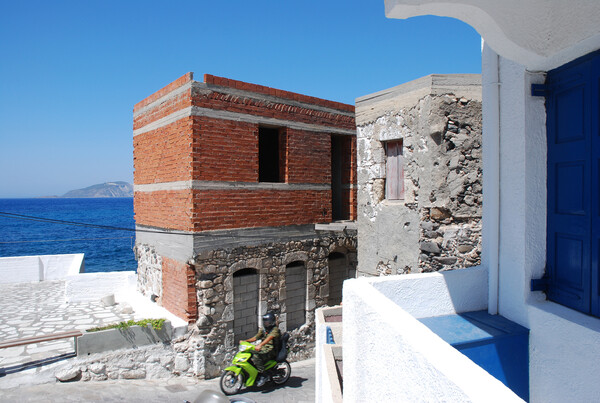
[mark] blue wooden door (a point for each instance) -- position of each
(573, 181)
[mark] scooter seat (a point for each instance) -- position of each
(283, 352)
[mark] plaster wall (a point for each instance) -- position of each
(436, 294)
(437, 223)
(563, 343)
(23, 269)
(327, 388)
(539, 34)
(425, 368)
(86, 287)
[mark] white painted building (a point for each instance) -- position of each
(541, 216)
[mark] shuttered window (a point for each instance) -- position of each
(394, 171)
(573, 240)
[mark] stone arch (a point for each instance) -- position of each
(296, 280)
(342, 266)
(245, 303)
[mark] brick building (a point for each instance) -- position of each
(244, 201)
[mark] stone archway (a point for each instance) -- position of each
(340, 269)
(295, 301)
(245, 303)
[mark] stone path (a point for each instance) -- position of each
(35, 309)
(27, 372)
(300, 388)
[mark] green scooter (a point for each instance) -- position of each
(243, 373)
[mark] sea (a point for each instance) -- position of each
(105, 249)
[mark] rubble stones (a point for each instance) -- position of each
(430, 247)
(209, 343)
(68, 374)
(442, 154)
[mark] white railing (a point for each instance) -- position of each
(25, 269)
(389, 356)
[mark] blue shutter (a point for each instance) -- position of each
(570, 190)
(595, 188)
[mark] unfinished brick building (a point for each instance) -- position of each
(235, 185)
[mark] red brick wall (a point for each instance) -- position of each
(209, 149)
(179, 291)
(257, 107)
(186, 78)
(261, 89)
(165, 209)
(225, 150)
(227, 209)
(174, 104)
(308, 157)
(164, 154)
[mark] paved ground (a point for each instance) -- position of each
(27, 372)
(35, 309)
(299, 388)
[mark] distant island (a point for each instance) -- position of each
(108, 189)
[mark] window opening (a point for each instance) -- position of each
(271, 156)
(394, 170)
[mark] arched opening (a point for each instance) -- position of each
(245, 303)
(295, 286)
(339, 270)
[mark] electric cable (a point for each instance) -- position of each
(108, 227)
(65, 240)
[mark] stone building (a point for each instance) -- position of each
(236, 188)
(420, 176)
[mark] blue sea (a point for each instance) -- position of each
(105, 249)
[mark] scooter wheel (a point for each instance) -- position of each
(231, 383)
(281, 373)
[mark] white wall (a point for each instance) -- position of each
(434, 294)
(24, 269)
(87, 287)
(327, 389)
(541, 34)
(389, 356)
(564, 344)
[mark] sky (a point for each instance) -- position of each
(71, 71)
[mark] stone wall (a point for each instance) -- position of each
(211, 342)
(437, 225)
(149, 270)
(215, 293)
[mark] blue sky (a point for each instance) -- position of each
(71, 71)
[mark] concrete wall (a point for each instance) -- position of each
(437, 223)
(86, 287)
(327, 388)
(23, 269)
(435, 294)
(389, 356)
(563, 342)
(540, 34)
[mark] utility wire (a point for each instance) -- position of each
(65, 240)
(108, 227)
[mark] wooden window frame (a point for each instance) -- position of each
(394, 170)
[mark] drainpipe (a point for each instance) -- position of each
(492, 178)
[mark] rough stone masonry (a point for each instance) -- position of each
(434, 221)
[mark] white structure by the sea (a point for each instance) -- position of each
(81, 286)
